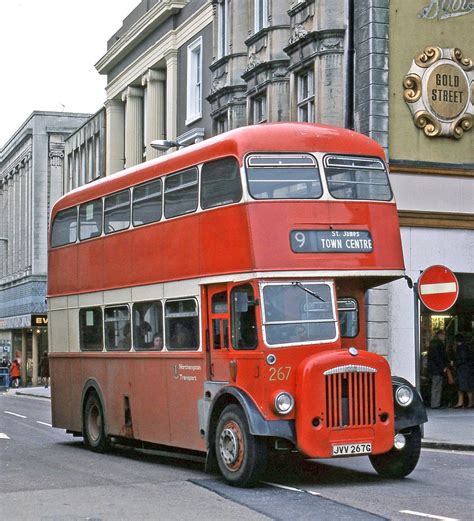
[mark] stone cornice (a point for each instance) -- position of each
(169, 43)
(158, 14)
(418, 219)
(431, 169)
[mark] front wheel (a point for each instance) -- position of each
(93, 428)
(240, 455)
(399, 463)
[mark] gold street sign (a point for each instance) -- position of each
(439, 90)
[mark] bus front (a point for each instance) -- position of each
(324, 230)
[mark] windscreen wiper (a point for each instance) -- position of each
(304, 288)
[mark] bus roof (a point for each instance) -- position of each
(268, 137)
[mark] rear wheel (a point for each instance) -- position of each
(240, 455)
(399, 463)
(93, 425)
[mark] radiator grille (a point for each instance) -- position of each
(350, 397)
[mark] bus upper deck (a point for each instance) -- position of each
(315, 205)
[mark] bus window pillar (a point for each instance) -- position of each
(155, 110)
(115, 134)
(34, 357)
(133, 98)
(171, 58)
(23, 356)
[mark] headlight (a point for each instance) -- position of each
(404, 395)
(284, 403)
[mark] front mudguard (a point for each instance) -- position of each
(414, 414)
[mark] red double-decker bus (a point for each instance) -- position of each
(213, 300)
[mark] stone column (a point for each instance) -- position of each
(171, 58)
(155, 109)
(115, 134)
(133, 98)
(34, 358)
(23, 357)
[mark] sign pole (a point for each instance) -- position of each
(416, 313)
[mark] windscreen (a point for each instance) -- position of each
(297, 312)
(357, 178)
(290, 176)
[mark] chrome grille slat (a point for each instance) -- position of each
(350, 396)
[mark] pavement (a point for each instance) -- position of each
(451, 429)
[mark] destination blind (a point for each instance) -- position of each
(331, 241)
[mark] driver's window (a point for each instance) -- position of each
(244, 323)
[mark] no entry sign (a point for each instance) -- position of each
(438, 288)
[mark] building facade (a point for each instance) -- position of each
(31, 177)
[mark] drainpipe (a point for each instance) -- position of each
(349, 64)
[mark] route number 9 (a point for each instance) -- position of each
(300, 238)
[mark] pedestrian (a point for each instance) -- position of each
(15, 373)
(437, 366)
(464, 364)
(44, 369)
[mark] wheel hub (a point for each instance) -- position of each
(230, 446)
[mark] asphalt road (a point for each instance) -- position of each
(47, 475)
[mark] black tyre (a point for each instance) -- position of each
(400, 463)
(240, 455)
(93, 428)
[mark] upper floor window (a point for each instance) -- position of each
(305, 96)
(289, 176)
(117, 212)
(64, 229)
(220, 183)
(181, 193)
(194, 82)
(90, 219)
(222, 28)
(147, 203)
(259, 109)
(261, 14)
(357, 178)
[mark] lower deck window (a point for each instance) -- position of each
(148, 326)
(117, 328)
(182, 325)
(348, 317)
(90, 329)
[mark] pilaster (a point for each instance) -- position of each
(133, 98)
(115, 136)
(171, 58)
(155, 109)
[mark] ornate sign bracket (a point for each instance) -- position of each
(439, 91)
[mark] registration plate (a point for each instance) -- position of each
(351, 449)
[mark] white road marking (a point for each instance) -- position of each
(3, 436)
(43, 423)
(430, 516)
(14, 414)
(450, 451)
(293, 489)
(440, 287)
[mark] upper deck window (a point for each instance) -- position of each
(357, 178)
(64, 229)
(289, 176)
(181, 193)
(117, 212)
(90, 219)
(220, 183)
(147, 205)
(298, 313)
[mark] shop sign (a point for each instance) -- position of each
(439, 90)
(39, 320)
(444, 9)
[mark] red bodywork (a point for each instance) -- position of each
(248, 237)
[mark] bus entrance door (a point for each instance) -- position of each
(218, 306)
